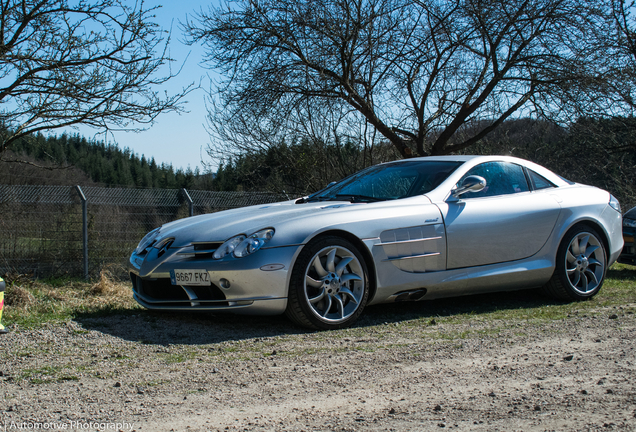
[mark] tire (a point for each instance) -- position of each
(581, 263)
(329, 285)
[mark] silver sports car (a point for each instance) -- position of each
(414, 229)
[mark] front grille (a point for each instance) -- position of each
(161, 293)
(205, 248)
(202, 250)
(159, 289)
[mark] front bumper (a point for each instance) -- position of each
(628, 255)
(256, 284)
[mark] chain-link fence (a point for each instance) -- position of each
(65, 230)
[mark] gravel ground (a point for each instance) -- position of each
(151, 372)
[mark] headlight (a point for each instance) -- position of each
(241, 246)
(147, 240)
(630, 223)
(614, 203)
(228, 247)
(253, 243)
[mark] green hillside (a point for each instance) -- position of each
(75, 159)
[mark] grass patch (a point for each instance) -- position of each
(618, 294)
(181, 357)
(46, 374)
(30, 303)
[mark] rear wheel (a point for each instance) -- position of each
(329, 285)
(580, 267)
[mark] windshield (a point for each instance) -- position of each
(388, 182)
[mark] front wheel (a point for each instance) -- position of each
(329, 285)
(580, 267)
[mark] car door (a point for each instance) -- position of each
(506, 221)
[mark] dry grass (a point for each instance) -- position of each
(32, 302)
(108, 286)
(17, 296)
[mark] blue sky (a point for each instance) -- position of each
(180, 139)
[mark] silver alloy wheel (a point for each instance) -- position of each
(585, 263)
(334, 284)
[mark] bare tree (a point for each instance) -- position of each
(623, 48)
(419, 72)
(325, 124)
(69, 62)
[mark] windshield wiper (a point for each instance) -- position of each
(315, 199)
(353, 198)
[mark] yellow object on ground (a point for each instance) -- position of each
(2, 285)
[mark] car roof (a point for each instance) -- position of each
(472, 160)
(466, 158)
(459, 158)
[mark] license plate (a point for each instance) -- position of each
(628, 239)
(190, 277)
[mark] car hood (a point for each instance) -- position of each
(295, 223)
(220, 226)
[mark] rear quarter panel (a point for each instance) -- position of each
(589, 205)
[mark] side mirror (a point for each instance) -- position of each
(471, 183)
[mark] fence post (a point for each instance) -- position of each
(190, 202)
(84, 228)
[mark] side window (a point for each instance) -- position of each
(502, 178)
(539, 182)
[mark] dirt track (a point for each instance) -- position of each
(396, 371)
